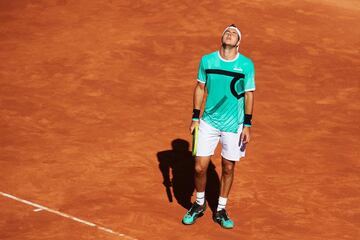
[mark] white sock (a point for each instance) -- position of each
(200, 198)
(222, 203)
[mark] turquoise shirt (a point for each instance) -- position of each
(226, 82)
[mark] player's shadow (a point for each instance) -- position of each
(177, 167)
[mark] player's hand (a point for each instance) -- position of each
(193, 125)
(245, 135)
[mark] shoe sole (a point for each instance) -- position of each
(222, 225)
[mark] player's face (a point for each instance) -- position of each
(230, 38)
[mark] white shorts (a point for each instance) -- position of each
(209, 138)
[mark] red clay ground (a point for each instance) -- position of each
(91, 92)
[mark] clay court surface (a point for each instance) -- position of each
(94, 93)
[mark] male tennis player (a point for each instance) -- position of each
(228, 78)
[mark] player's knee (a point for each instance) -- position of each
(200, 170)
(228, 170)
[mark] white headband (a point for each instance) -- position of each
(236, 29)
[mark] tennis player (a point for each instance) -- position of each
(228, 78)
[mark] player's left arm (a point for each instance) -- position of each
(249, 106)
(249, 102)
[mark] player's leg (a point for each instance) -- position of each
(208, 139)
(231, 153)
(227, 177)
(207, 142)
(198, 207)
(201, 166)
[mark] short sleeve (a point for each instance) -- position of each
(201, 77)
(250, 77)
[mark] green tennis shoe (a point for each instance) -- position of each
(194, 212)
(222, 218)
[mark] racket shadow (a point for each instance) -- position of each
(177, 167)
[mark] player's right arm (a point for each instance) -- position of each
(199, 93)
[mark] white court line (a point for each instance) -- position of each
(40, 207)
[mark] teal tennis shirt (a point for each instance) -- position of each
(226, 82)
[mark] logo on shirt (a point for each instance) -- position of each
(238, 69)
(235, 84)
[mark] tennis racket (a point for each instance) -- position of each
(195, 140)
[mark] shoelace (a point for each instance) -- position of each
(194, 208)
(224, 215)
